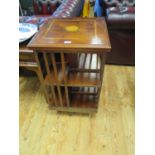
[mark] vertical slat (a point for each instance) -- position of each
(56, 76)
(63, 67)
(90, 63)
(67, 96)
(88, 89)
(102, 62)
(101, 66)
(97, 61)
(50, 76)
(84, 61)
(47, 67)
(79, 55)
(95, 90)
(64, 77)
(54, 67)
(98, 95)
(80, 58)
(40, 75)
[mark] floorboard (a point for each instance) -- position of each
(108, 132)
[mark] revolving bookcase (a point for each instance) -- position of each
(73, 55)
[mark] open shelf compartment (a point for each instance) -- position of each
(73, 81)
(84, 98)
(82, 69)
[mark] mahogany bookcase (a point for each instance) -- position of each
(71, 71)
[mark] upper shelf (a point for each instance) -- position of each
(85, 73)
(83, 79)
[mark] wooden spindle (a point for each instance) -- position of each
(64, 77)
(84, 60)
(56, 77)
(40, 75)
(50, 77)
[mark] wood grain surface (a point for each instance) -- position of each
(73, 33)
(108, 132)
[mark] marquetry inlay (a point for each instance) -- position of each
(72, 28)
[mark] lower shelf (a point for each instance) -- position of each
(79, 103)
(83, 101)
(79, 99)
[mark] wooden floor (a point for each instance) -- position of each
(109, 132)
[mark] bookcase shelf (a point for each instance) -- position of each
(75, 79)
(79, 99)
(83, 79)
